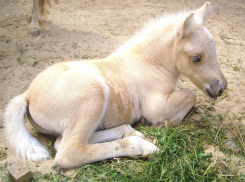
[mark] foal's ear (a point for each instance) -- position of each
(188, 25)
(196, 17)
(202, 13)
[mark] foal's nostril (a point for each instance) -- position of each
(216, 88)
(221, 91)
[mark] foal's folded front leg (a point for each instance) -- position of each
(172, 108)
(181, 102)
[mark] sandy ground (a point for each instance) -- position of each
(93, 29)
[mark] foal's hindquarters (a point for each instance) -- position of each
(73, 103)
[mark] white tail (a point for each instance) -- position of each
(19, 138)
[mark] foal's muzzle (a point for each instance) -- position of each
(216, 88)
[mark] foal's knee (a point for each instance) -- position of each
(189, 96)
(70, 157)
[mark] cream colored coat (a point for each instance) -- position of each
(91, 104)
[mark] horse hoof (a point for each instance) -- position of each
(34, 33)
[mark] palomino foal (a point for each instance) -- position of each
(91, 104)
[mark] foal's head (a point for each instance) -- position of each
(197, 56)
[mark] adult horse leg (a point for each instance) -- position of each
(34, 28)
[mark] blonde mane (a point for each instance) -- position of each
(154, 25)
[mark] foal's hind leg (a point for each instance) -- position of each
(74, 149)
(116, 133)
(74, 153)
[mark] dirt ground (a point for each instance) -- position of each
(93, 29)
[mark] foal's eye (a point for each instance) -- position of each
(196, 58)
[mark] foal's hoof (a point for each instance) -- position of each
(137, 133)
(34, 33)
(150, 150)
